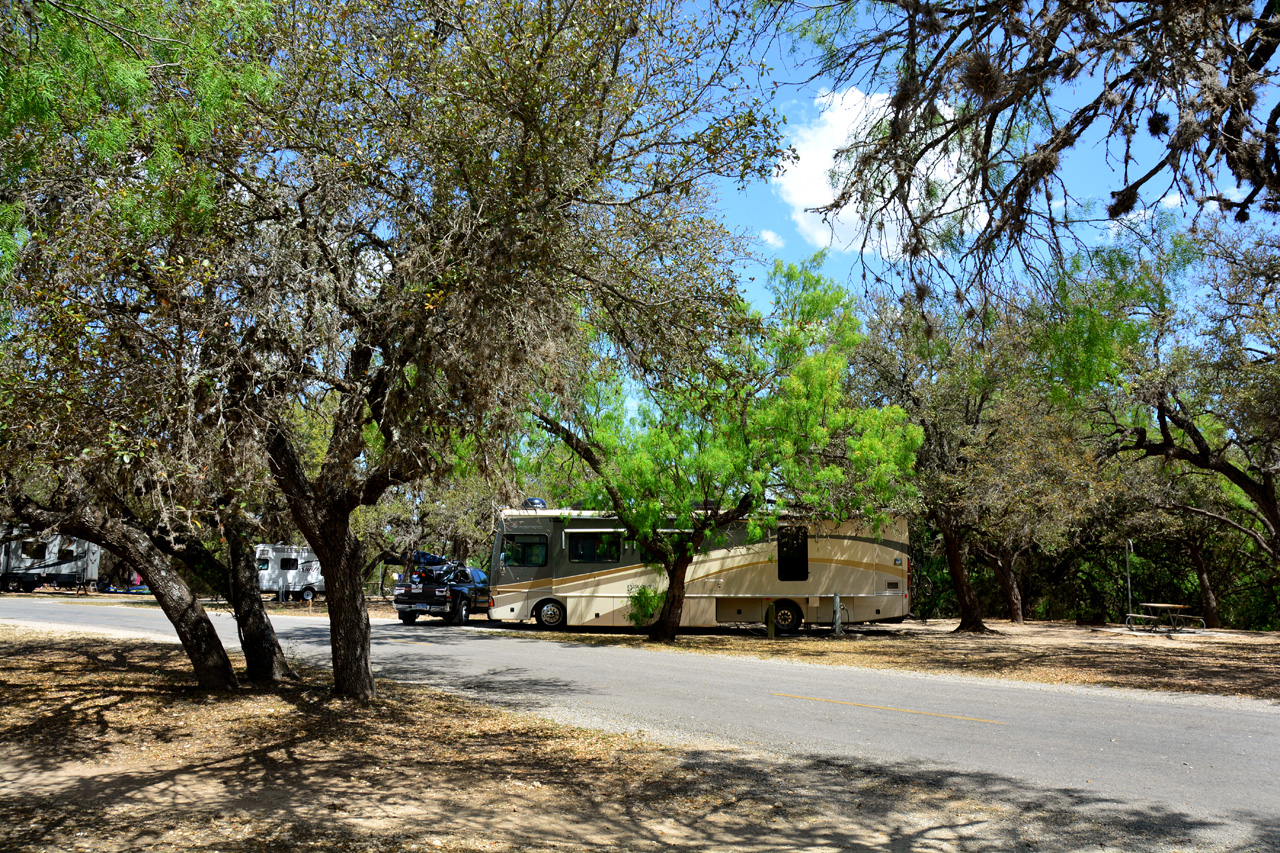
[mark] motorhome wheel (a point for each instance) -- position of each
(308, 595)
(788, 617)
(550, 615)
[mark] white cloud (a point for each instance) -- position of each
(771, 239)
(807, 183)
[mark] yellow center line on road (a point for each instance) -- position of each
(883, 708)
(412, 642)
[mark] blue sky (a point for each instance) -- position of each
(818, 121)
(774, 212)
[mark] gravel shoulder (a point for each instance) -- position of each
(105, 745)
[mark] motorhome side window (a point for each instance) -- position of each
(34, 550)
(264, 563)
(595, 547)
(524, 549)
(793, 554)
(288, 564)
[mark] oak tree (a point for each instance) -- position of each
(436, 202)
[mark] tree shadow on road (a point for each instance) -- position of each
(129, 756)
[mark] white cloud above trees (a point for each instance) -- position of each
(772, 239)
(807, 181)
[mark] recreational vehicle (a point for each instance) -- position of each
(61, 561)
(572, 567)
(289, 571)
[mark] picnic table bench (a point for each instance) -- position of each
(1163, 617)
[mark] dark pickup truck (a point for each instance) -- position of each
(450, 590)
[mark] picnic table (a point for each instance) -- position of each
(1167, 618)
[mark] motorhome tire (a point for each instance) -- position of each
(408, 617)
(550, 614)
(308, 595)
(13, 585)
(463, 613)
(787, 618)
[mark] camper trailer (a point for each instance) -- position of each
(573, 567)
(60, 561)
(289, 571)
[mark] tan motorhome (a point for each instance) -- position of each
(574, 567)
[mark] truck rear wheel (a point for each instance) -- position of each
(462, 614)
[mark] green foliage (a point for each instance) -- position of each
(771, 420)
(106, 85)
(1103, 305)
(645, 603)
(762, 428)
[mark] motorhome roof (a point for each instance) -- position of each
(557, 513)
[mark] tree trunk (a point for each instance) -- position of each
(966, 597)
(209, 659)
(342, 563)
(667, 626)
(324, 517)
(204, 648)
(1208, 600)
(1008, 578)
(265, 662)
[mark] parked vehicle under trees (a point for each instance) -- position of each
(761, 426)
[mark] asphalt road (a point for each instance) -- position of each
(1206, 764)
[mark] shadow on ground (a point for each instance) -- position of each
(104, 745)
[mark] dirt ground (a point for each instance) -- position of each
(105, 745)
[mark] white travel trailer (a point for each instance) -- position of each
(571, 567)
(289, 571)
(61, 561)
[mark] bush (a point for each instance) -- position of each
(646, 603)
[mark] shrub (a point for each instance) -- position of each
(646, 603)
